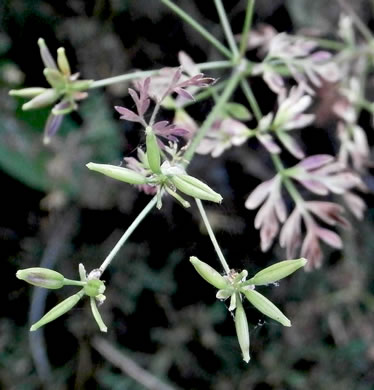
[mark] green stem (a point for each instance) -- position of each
(212, 236)
(227, 28)
(326, 43)
(205, 94)
(216, 111)
(123, 77)
(246, 27)
(251, 99)
(290, 187)
(69, 282)
(198, 27)
(127, 234)
(138, 75)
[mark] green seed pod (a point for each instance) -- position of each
(80, 85)
(27, 92)
(54, 78)
(209, 274)
(242, 332)
(63, 62)
(153, 150)
(94, 287)
(189, 185)
(48, 97)
(119, 173)
(277, 271)
(41, 277)
(266, 307)
(58, 310)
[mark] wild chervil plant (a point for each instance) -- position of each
(293, 68)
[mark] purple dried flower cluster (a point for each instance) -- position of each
(321, 175)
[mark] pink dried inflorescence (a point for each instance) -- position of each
(320, 174)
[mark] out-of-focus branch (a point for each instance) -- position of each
(128, 366)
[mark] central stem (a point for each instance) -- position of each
(127, 234)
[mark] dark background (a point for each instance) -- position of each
(160, 313)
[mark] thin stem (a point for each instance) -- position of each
(246, 27)
(227, 28)
(290, 187)
(123, 77)
(127, 234)
(198, 27)
(138, 75)
(212, 236)
(364, 30)
(216, 111)
(326, 43)
(69, 282)
(251, 99)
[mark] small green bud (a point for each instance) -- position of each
(209, 274)
(277, 271)
(58, 310)
(27, 92)
(54, 78)
(195, 188)
(63, 62)
(94, 287)
(41, 277)
(153, 151)
(48, 97)
(119, 173)
(266, 307)
(242, 331)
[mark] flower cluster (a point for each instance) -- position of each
(321, 175)
(91, 285)
(235, 285)
(65, 88)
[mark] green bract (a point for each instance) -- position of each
(119, 173)
(277, 271)
(153, 151)
(242, 331)
(191, 186)
(266, 307)
(58, 310)
(209, 274)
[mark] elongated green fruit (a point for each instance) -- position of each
(44, 99)
(266, 307)
(277, 271)
(242, 331)
(195, 188)
(27, 92)
(41, 277)
(153, 151)
(58, 310)
(119, 173)
(209, 274)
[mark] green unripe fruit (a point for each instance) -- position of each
(41, 277)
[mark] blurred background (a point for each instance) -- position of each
(161, 315)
